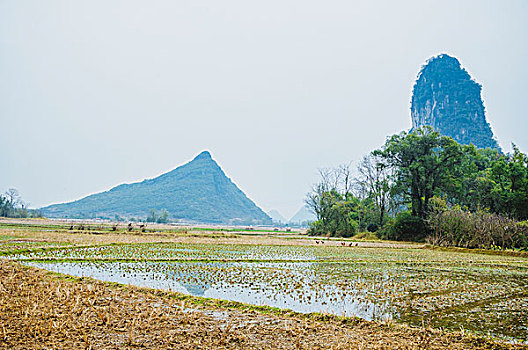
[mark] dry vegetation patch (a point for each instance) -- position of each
(41, 311)
(58, 233)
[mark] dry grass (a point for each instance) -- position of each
(41, 311)
(26, 229)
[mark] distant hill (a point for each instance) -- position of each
(198, 191)
(276, 216)
(448, 99)
(302, 217)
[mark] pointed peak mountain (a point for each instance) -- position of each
(303, 216)
(203, 155)
(447, 98)
(198, 191)
(276, 216)
(443, 61)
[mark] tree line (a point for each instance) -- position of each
(162, 217)
(421, 185)
(12, 206)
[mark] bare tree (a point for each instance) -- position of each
(313, 199)
(13, 196)
(328, 179)
(345, 176)
(374, 180)
(337, 179)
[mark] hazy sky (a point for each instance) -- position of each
(97, 93)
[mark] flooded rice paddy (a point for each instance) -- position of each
(485, 294)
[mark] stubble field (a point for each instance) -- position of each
(243, 282)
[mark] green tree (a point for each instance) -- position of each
(424, 163)
(163, 216)
(474, 185)
(12, 205)
(333, 204)
(509, 178)
(153, 216)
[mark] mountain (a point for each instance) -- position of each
(276, 216)
(302, 217)
(448, 99)
(198, 191)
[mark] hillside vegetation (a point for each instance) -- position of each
(198, 191)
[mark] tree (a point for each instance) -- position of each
(319, 200)
(473, 185)
(153, 216)
(345, 176)
(12, 205)
(5, 206)
(333, 203)
(423, 162)
(163, 216)
(13, 196)
(375, 180)
(509, 176)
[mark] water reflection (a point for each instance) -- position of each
(478, 298)
(191, 279)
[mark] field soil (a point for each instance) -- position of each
(43, 310)
(39, 310)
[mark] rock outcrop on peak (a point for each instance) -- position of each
(446, 98)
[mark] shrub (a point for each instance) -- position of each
(460, 228)
(384, 232)
(343, 228)
(407, 227)
(372, 227)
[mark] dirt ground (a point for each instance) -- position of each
(39, 310)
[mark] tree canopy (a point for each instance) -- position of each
(400, 184)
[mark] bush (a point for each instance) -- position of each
(384, 232)
(343, 228)
(459, 228)
(406, 227)
(372, 227)
(350, 230)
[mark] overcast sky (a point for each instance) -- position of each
(97, 93)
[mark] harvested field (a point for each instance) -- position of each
(41, 311)
(58, 233)
(258, 277)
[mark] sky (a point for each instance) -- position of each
(98, 93)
